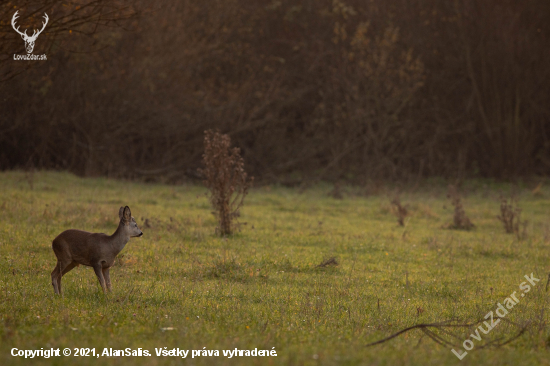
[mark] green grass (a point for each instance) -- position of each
(181, 286)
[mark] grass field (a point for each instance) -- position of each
(180, 286)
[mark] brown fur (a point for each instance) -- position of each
(75, 247)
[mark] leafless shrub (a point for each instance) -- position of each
(331, 261)
(510, 216)
(460, 220)
(225, 177)
(400, 211)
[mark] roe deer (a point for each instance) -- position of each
(74, 247)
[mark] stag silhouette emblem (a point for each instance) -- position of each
(29, 41)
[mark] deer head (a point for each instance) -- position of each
(29, 41)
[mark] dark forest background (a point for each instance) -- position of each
(323, 89)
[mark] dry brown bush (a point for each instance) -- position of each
(400, 211)
(225, 177)
(510, 216)
(460, 220)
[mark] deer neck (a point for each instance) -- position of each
(119, 239)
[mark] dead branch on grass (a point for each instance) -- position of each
(428, 329)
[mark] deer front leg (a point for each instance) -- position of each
(107, 278)
(98, 269)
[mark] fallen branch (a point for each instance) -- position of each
(428, 329)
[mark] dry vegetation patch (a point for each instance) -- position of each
(460, 220)
(225, 178)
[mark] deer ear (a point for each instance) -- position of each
(127, 214)
(120, 212)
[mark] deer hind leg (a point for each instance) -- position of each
(98, 269)
(107, 278)
(64, 267)
(56, 278)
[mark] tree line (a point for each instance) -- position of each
(307, 89)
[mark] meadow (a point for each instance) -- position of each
(181, 286)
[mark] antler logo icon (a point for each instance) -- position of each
(29, 41)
